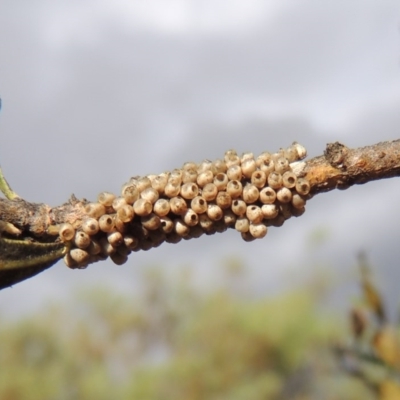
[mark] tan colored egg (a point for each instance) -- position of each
(118, 202)
(303, 186)
(66, 232)
(199, 205)
(214, 212)
(234, 173)
(150, 194)
(90, 226)
(258, 179)
(270, 211)
(250, 193)
(159, 183)
(178, 205)
(106, 198)
(242, 224)
(275, 180)
(95, 210)
(284, 195)
(254, 214)
(282, 165)
(220, 181)
(189, 191)
(220, 166)
(151, 221)
(267, 195)
(298, 201)
(143, 183)
(234, 189)
(81, 257)
(106, 223)
(115, 239)
(206, 222)
(166, 225)
(131, 242)
(289, 179)
(223, 200)
(258, 230)
(126, 213)
(161, 207)
(248, 167)
(229, 217)
(209, 192)
(205, 178)
(130, 193)
(190, 218)
(142, 207)
(181, 228)
(189, 176)
(81, 240)
(239, 207)
(172, 189)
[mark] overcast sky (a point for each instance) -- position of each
(94, 92)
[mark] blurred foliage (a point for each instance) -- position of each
(175, 342)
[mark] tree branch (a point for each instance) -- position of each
(35, 236)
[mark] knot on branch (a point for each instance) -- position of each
(335, 154)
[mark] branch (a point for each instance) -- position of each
(148, 213)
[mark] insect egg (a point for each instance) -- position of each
(219, 166)
(281, 165)
(214, 212)
(118, 202)
(250, 193)
(159, 183)
(106, 198)
(258, 230)
(130, 193)
(178, 205)
(81, 239)
(106, 223)
(220, 181)
(190, 218)
(209, 192)
(248, 167)
(223, 200)
(115, 238)
(267, 195)
(275, 180)
(289, 179)
(239, 207)
(204, 178)
(126, 213)
(151, 221)
(302, 186)
(166, 224)
(269, 211)
(189, 176)
(142, 207)
(189, 191)
(79, 256)
(242, 224)
(95, 210)
(298, 201)
(172, 189)
(254, 214)
(161, 207)
(199, 205)
(258, 179)
(143, 183)
(67, 232)
(181, 228)
(234, 172)
(284, 195)
(150, 194)
(234, 188)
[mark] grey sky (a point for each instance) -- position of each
(97, 91)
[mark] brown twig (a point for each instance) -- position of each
(339, 168)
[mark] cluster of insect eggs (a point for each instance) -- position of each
(243, 192)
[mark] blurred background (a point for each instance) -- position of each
(94, 92)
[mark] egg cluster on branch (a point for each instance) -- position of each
(244, 192)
